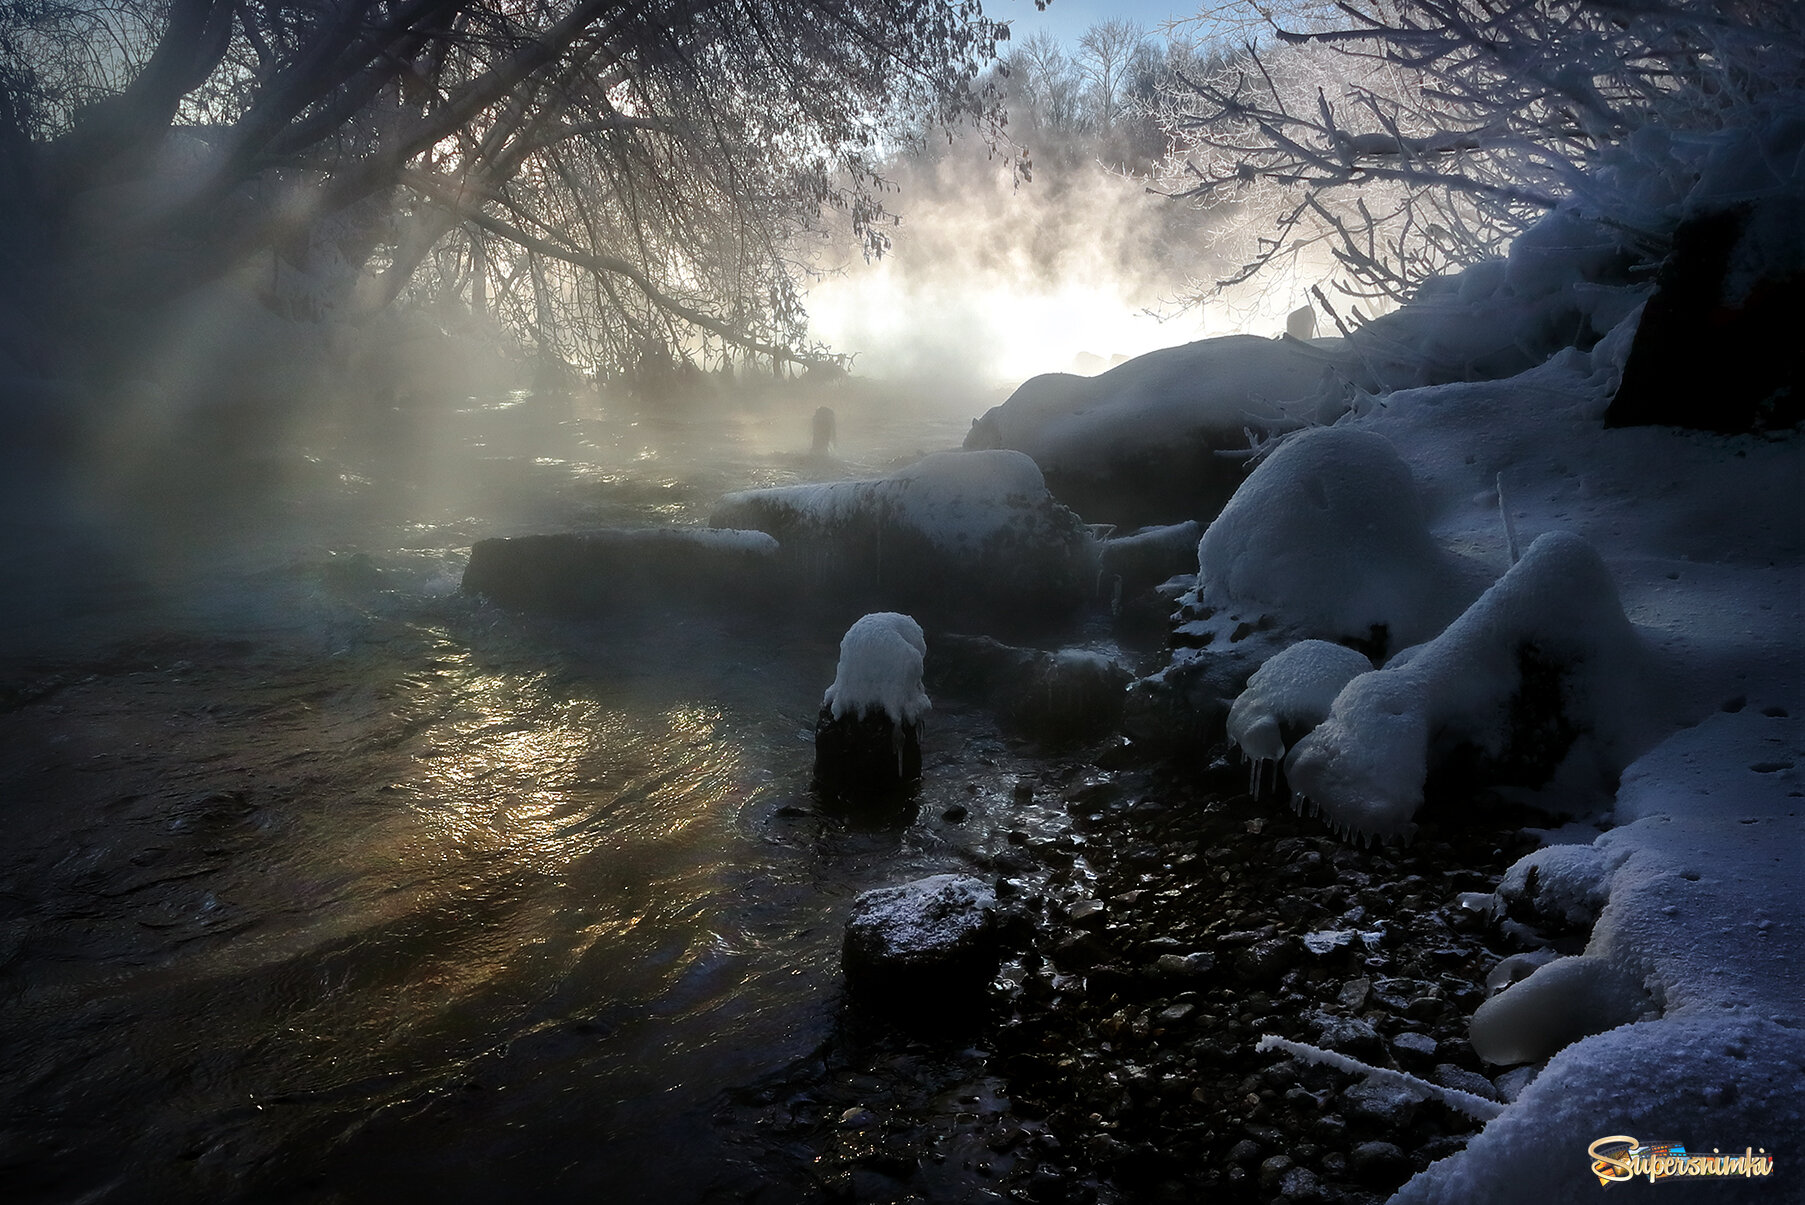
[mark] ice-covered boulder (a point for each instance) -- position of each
(967, 537)
(1558, 1004)
(1050, 697)
(868, 735)
(1142, 442)
(1287, 697)
(1542, 666)
(1328, 537)
(922, 942)
(580, 572)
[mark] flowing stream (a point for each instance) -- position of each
(322, 881)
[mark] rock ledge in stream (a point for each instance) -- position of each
(966, 538)
(577, 572)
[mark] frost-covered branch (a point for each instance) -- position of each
(1417, 136)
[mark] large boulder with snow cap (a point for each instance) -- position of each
(1144, 442)
(1328, 538)
(959, 537)
(868, 735)
(923, 941)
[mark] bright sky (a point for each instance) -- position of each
(1068, 19)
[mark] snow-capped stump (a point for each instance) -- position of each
(1328, 538)
(1286, 698)
(1543, 659)
(577, 572)
(868, 735)
(922, 941)
(970, 537)
(1141, 442)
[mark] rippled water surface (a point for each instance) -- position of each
(323, 881)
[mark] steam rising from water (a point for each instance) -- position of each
(996, 280)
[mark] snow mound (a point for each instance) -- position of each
(1288, 696)
(1551, 627)
(881, 659)
(1566, 883)
(1139, 443)
(1328, 536)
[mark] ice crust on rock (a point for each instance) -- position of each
(923, 939)
(1554, 1006)
(1292, 692)
(880, 667)
(1363, 768)
(1329, 537)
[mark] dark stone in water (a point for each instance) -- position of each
(923, 946)
(577, 573)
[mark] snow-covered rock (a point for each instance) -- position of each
(1142, 442)
(579, 572)
(1557, 1004)
(868, 735)
(1328, 536)
(969, 537)
(1542, 666)
(922, 941)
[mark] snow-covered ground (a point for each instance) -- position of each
(1684, 1018)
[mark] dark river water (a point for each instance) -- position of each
(322, 881)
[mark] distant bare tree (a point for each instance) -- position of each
(1107, 55)
(646, 164)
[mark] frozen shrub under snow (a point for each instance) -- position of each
(1545, 660)
(1328, 537)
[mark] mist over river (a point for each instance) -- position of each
(321, 880)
